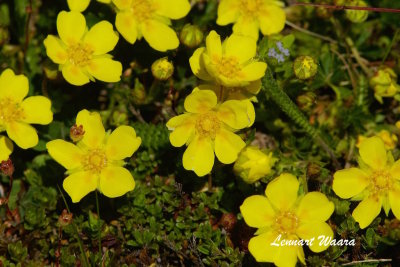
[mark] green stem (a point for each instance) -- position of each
(98, 214)
(286, 104)
(357, 56)
(84, 258)
(391, 46)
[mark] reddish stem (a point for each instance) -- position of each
(373, 9)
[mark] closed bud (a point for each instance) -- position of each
(306, 101)
(305, 67)
(139, 93)
(253, 164)
(76, 133)
(162, 69)
(4, 36)
(65, 218)
(191, 36)
(357, 16)
(384, 83)
(119, 118)
(7, 167)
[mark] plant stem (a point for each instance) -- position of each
(366, 8)
(209, 182)
(314, 34)
(272, 89)
(98, 214)
(85, 259)
(357, 56)
(391, 46)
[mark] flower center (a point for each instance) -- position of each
(286, 223)
(380, 182)
(10, 111)
(79, 54)
(95, 161)
(250, 8)
(142, 9)
(228, 67)
(207, 125)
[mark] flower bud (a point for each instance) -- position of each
(306, 101)
(357, 16)
(7, 167)
(384, 83)
(191, 36)
(139, 93)
(65, 218)
(119, 118)
(253, 164)
(305, 67)
(4, 36)
(162, 69)
(76, 133)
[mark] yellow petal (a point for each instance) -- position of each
(22, 134)
(373, 152)
(254, 71)
(122, 4)
(178, 120)
(174, 9)
(227, 146)
(6, 148)
(79, 184)
(13, 86)
(199, 156)
(254, 87)
(236, 114)
(105, 69)
(315, 206)
(101, 38)
(314, 230)
(65, 153)
(78, 5)
(93, 127)
(262, 250)
(272, 20)
(394, 200)
(213, 45)
(197, 65)
(122, 143)
(241, 47)
(55, 49)
(182, 133)
(257, 211)
(159, 36)
(200, 101)
(282, 191)
(349, 182)
(395, 170)
(74, 75)
(71, 26)
(287, 255)
(228, 12)
(37, 110)
(367, 211)
(127, 26)
(247, 27)
(116, 181)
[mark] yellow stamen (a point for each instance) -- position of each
(286, 223)
(380, 182)
(207, 125)
(250, 8)
(79, 54)
(142, 9)
(228, 67)
(10, 111)
(95, 161)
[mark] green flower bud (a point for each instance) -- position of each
(253, 164)
(357, 16)
(139, 93)
(4, 35)
(305, 67)
(119, 118)
(162, 69)
(306, 101)
(191, 36)
(384, 83)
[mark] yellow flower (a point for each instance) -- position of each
(384, 84)
(6, 148)
(253, 164)
(150, 19)
(284, 216)
(82, 54)
(17, 113)
(229, 66)
(251, 16)
(376, 182)
(81, 5)
(96, 161)
(207, 127)
(390, 140)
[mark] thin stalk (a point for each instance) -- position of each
(373, 9)
(391, 46)
(357, 56)
(85, 259)
(98, 214)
